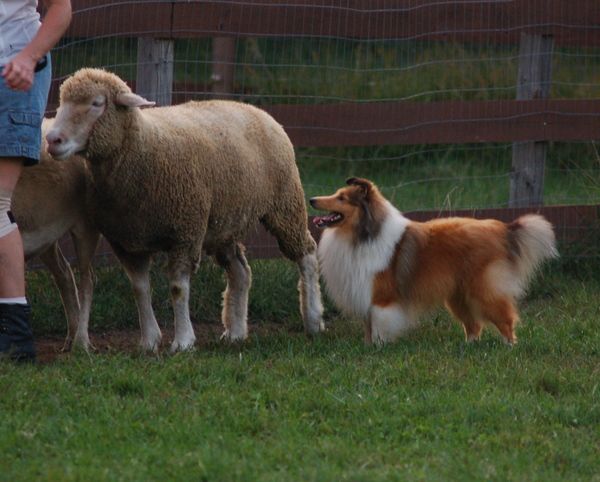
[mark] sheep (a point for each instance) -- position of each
(49, 201)
(182, 180)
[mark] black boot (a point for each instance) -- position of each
(16, 338)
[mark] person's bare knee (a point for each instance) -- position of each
(7, 221)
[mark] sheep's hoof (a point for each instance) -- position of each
(227, 336)
(82, 342)
(314, 328)
(68, 344)
(179, 346)
(82, 345)
(150, 346)
(77, 344)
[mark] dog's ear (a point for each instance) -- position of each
(364, 184)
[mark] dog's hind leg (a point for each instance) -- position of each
(235, 297)
(458, 306)
(502, 313)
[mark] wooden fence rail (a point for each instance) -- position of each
(502, 21)
(577, 231)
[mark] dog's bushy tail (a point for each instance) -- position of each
(533, 241)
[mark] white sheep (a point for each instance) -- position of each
(50, 201)
(181, 180)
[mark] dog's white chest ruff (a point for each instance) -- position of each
(349, 269)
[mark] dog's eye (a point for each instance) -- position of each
(341, 198)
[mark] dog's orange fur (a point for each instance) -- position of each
(456, 262)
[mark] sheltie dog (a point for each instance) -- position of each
(387, 270)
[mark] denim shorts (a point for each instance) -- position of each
(21, 115)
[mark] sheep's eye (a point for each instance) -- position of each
(98, 103)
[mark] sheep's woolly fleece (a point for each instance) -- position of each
(87, 82)
(175, 172)
(187, 178)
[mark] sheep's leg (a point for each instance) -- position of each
(311, 306)
(235, 297)
(137, 269)
(179, 283)
(65, 281)
(289, 225)
(85, 239)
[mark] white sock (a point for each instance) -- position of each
(21, 300)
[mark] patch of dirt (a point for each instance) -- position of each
(50, 348)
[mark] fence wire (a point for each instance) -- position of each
(452, 54)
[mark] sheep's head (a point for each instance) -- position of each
(86, 98)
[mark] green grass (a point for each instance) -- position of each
(283, 407)
(309, 70)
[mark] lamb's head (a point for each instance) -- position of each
(93, 103)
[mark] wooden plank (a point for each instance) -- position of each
(526, 187)
(223, 67)
(115, 18)
(577, 228)
(529, 158)
(500, 22)
(155, 59)
(473, 21)
(450, 122)
(574, 225)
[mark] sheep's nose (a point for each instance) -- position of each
(54, 138)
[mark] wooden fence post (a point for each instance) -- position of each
(155, 70)
(223, 56)
(535, 71)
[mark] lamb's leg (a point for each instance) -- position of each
(235, 297)
(179, 283)
(65, 282)
(289, 225)
(137, 269)
(85, 238)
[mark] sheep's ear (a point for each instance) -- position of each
(129, 99)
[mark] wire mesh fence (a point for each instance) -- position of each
(446, 105)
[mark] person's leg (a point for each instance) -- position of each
(21, 116)
(16, 338)
(12, 262)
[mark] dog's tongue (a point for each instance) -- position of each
(323, 221)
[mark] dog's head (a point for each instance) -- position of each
(357, 209)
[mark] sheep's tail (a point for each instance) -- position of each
(533, 242)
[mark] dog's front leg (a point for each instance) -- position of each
(388, 323)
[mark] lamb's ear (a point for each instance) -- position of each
(129, 99)
(364, 184)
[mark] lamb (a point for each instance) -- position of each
(50, 201)
(182, 180)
